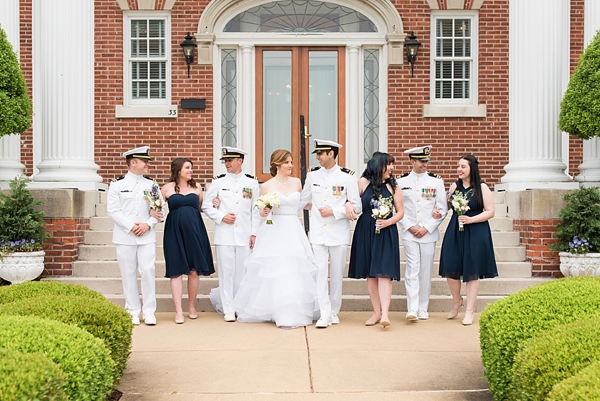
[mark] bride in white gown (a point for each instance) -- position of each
(279, 284)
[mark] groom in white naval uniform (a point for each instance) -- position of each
(423, 192)
(333, 192)
(134, 235)
(236, 223)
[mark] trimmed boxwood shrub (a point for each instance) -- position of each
(584, 386)
(31, 289)
(26, 376)
(104, 320)
(83, 357)
(554, 355)
(506, 324)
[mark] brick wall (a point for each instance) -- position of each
(536, 236)
(189, 135)
(63, 245)
(486, 138)
(576, 40)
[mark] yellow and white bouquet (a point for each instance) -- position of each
(154, 197)
(381, 209)
(460, 203)
(270, 200)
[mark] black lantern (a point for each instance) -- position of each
(188, 51)
(412, 48)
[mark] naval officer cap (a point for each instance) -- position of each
(228, 152)
(142, 152)
(422, 153)
(323, 145)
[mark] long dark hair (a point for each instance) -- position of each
(176, 166)
(374, 172)
(475, 179)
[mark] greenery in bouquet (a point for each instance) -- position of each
(578, 231)
(460, 203)
(154, 197)
(22, 227)
(381, 208)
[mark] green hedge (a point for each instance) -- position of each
(102, 319)
(584, 386)
(29, 377)
(506, 324)
(31, 289)
(84, 358)
(555, 355)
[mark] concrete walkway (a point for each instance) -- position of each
(209, 359)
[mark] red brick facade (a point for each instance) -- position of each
(62, 247)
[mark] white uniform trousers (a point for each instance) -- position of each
(330, 299)
(417, 278)
(132, 258)
(230, 270)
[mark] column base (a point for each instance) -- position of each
(523, 186)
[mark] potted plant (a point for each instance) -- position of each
(578, 233)
(22, 233)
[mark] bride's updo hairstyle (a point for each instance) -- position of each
(278, 157)
(176, 166)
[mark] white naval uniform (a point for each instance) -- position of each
(421, 192)
(330, 236)
(238, 194)
(126, 206)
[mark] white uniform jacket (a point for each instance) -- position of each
(126, 206)
(330, 188)
(238, 194)
(422, 192)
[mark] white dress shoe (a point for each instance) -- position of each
(229, 317)
(423, 315)
(150, 320)
(412, 316)
(135, 320)
(323, 323)
(335, 319)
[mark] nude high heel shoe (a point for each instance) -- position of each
(468, 320)
(453, 313)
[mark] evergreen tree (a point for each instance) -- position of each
(15, 105)
(580, 107)
(22, 227)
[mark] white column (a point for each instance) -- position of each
(63, 50)
(539, 71)
(246, 136)
(589, 170)
(354, 128)
(10, 145)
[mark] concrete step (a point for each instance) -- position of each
(104, 223)
(110, 268)
(96, 237)
(497, 286)
(108, 252)
(355, 303)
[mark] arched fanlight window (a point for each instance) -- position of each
(300, 16)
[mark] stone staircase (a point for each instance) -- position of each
(97, 268)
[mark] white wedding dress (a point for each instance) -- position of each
(279, 284)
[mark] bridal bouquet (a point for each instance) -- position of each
(381, 209)
(460, 203)
(154, 197)
(270, 200)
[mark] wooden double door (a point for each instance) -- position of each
(299, 93)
